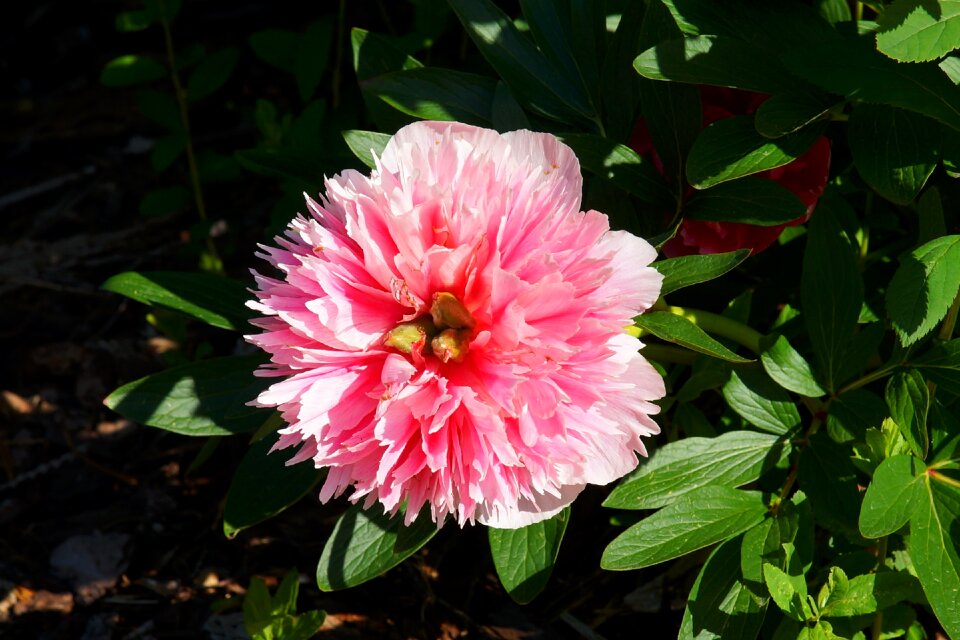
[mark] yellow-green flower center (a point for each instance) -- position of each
(446, 332)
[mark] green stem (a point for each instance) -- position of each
(876, 374)
(950, 322)
(717, 324)
(181, 97)
(878, 619)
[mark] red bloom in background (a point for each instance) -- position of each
(806, 177)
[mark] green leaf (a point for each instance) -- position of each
(851, 414)
(524, 557)
(276, 47)
(284, 601)
(364, 144)
(919, 30)
(206, 398)
(131, 21)
(552, 26)
(374, 55)
(720, 604)
(831, 290)
(161, 202)
(763, 544)
(788, 112)
(507, 114)
(930, 214)
(166, 150)
(263, 486)
(685, 271)
(851, 66)
(619, 84)
(933, 548)
(366, 543)
(833, 11)
(895, 151)
(714, 60)
(700, 518)
(671, 111)
(218, 301)
(674, 470)
(909, 401)
(313, 54)
(923, 288)
(257, 607)
(161, 108)
(759, 401)
(130, 70)
(789, 369)
(788, 591)
(302, 167)
(829, 479)
(212, 73)
(620, 165)
(941, 365)
(431, 93)
(747, 200)
(534, 80)
(892, 497)
(679, 330)
(732, 148)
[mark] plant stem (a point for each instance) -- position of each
(717, 324)
(950, 322)
(876, 374)
(878, 619)
(181, 96)
(792, 476)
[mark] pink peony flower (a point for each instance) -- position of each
(450, 330)
(806, 177)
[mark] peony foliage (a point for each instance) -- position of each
(740, 218)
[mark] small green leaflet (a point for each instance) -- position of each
(892, 497)
(759, 401)
(524, 557)
(677, 468)
(909, 401)
(923, 288)
(789, 369)
(364, 144)
(218, 301)
(366, 543)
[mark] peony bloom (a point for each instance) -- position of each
(806, 177)
(450, 330)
